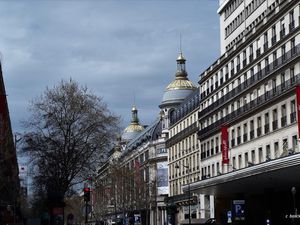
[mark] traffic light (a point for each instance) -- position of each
(87, 194)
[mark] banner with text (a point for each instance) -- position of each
(224, 144)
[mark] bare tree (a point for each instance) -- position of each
(68, 133)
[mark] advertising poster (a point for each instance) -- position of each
(224, 145)
(162, 178)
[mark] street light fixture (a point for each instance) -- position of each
(189, 189)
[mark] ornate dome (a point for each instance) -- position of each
(179, 88)
(134, 128)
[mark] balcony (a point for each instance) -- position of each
(217, 84)
(258, 130)
(232, 142)
(217, 149)
(251, 134)
(293, 117)
(221, 81)
(182, 134)
(267, 128)
(227, 76)
(248, 108)
(250, 58)
(293, 53)
(282, 33)
(283, 121)
(273, 40)
(207, 153)
(266, 46)
(258, 53)
(239, 140)
(275, 63)
(292, 25)
(275, 124)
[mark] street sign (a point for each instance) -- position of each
(137, 219)
(239, 209)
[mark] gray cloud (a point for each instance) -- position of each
(116, 48)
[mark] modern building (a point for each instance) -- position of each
(249, 116)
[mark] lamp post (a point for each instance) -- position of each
(189, 189)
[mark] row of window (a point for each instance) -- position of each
(242, 16)
(256, 127)
(279, 57)
(252, 157)
(179, 182)
(189, 164)
(184, 147)
(184, 124)
(282, 81)
(219, 78)
(231, 7)
(253, 51)
(185, 108)
(138, 160)
(248, 108)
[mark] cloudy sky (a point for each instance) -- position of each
(117, 48)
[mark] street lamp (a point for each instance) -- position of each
(293, 190)
(189, 188)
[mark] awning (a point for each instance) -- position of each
(280, 174)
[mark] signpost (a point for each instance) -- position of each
(239, 209)
(137, 219)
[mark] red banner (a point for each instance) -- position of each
(224, 144)
(298, 107)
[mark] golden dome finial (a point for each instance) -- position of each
(180, 57)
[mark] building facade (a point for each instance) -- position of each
(9, 179)
(133, 182)
(249, 114)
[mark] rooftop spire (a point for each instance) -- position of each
(134, 115)
(181, 63)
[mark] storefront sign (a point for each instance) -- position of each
(224, 144)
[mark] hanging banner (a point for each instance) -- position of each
(224, 144)
(298, 108)
(162, 178)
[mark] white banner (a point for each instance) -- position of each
(162, 178)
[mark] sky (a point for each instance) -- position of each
(120, 49)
